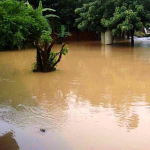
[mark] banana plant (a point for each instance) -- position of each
(41, 10)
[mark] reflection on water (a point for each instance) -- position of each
(8, 142)
(98, 97)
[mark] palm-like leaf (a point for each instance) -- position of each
(51, 15)
(40, 8)
(28, 5)
(48, 9)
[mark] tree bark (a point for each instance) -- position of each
(59, 58)
(128, 35)
(51, 45)
(39, 58)
(53, 28)
(39, 61)
(44, 62)
(132, 37)
(43, 56)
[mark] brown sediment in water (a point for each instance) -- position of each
(97, 99)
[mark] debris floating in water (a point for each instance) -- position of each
(42, 130)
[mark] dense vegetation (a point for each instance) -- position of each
(65, 9)
(22, 22)
(118, 15)
(19, 23)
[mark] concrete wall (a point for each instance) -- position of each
(107, 38)
(102, 38)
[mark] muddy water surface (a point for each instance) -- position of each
(98, 99)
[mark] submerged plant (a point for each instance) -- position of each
(47, 60)
(34, 67)
(52, 61)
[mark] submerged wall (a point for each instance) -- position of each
(102, 38)
(106, 38)
(82, 36)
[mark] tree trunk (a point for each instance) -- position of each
(132, 37)
(39, 61)
(123, 35)
(53, 28)
(45, 65)
(128, 35)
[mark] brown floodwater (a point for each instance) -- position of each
(98, 99)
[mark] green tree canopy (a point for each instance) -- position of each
(90, 14)
(20, 23)
(65, 9)
(129, 17)
(117, 15)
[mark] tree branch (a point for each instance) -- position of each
(51, 45)
(38, 47)
(59, 58)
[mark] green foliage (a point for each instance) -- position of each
(65, 9)
(90, 14)
(63, 33)
(45, 38)
(53, 56)
(122, 16)
(65, 50)
(18, 39)
(139, 34)
(52, 59)
(51, 16)
(34, 67)
(42, 10)
(48, 9)
(40, 7)
(126, 18)
(20, 23)
(28, 5)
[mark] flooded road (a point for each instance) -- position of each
(98, 99)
